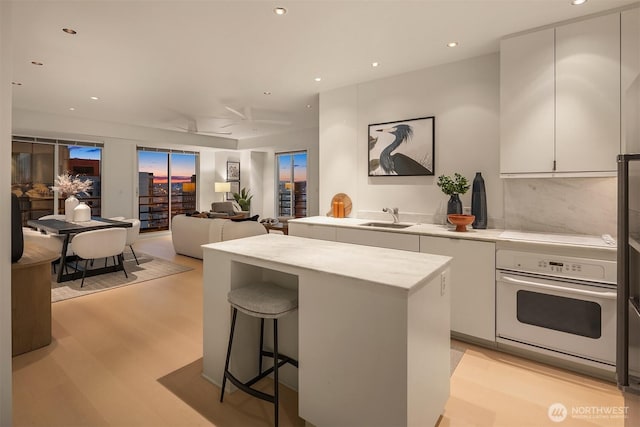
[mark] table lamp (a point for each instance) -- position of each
(222, 187)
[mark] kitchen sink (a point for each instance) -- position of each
(386, 225)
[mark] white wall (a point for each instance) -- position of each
(220, 174)
(206, 178)
(119, 167)
(293, 141)
(464, 98)
(32, 123)
(5, 214)
(339, 148)
(119, 173)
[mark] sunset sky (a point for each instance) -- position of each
(299, 164)
(182, 165)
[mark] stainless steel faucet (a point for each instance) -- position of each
(393, 212)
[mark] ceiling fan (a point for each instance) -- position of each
(192, 127)
(247, 116)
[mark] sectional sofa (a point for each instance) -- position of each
(188, 233)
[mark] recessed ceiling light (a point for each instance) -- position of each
(578, 2)
(16, 83)
(452, 44)
(266, 92)
(318, 79)
(280, 11)
(95, 98)
(375, 64)
(37, 63)
(69, 31)
(72, 109)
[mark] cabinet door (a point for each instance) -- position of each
(630, 85)
(527, 103)
(312, 231)
(472, 283)
(381, 239)
(588, 95)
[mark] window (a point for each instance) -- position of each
(84, 161)
(166, 186)
(292, 184)
(35, 162)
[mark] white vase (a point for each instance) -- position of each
(82, 212)
(70, 204)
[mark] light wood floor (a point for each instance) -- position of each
(132, 356)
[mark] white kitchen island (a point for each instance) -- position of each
(371, 334)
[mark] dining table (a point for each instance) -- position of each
(66, 230)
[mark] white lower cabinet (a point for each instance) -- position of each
(381, 239)
(472, 276)
(312, 231)
(472, 282)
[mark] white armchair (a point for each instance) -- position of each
(132, 235)
(105, 243)
(52, 242)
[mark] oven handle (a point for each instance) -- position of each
(607, 295)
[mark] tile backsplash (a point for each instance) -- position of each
(561, 205)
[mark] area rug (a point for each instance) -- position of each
(149, 268)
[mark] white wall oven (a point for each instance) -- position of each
(557, 305)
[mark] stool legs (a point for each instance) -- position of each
(276, 362)
(226, 363)
(261, 345)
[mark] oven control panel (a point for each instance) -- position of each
(594, 270)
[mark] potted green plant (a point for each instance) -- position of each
(453, 187)
(243, 198)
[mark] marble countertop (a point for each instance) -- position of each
(490, 235)
(390, 267)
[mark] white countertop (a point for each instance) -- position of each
(491, 235)
(400, 269)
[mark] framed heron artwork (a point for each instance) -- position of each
(402, 148)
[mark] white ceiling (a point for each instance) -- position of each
(164, 64)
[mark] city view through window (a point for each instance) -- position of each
(166, 187)
(292, 184)
(34, 170)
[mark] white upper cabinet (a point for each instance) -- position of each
(630, 84)
(527, 103)
(560, 99)
(588, 95)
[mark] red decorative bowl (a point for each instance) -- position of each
(461, 221)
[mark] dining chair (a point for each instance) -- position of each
(52, 242)
(132, 235)
(106, 243)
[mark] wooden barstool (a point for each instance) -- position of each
(266, 301)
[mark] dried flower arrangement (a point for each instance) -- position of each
(68, 184)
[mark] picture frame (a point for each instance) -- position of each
(402, 147)
(233, 171)
(235, 188)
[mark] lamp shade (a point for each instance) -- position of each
(222, 187)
